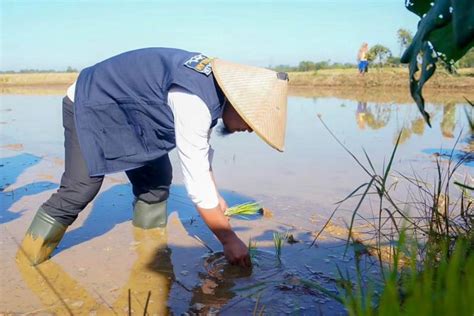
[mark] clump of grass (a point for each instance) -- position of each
(441, 286)
(431, 211)
(248, 208)
(436, 275)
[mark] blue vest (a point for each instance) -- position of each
(121, 111)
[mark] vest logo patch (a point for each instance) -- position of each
(200, 63)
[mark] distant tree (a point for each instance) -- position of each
(312, 66)
(306, 66)
(393, 61)
(379, 53)
(404, 39)
(284, 68)
(70, 69)
(325, 64)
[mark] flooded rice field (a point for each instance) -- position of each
(105, 266)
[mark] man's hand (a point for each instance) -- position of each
(235, 250)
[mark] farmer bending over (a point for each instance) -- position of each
(127, 112)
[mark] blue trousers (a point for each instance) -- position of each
(150, 182)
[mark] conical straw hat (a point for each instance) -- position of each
(259, 96)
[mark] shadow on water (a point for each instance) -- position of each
(11, 168)
(114, 206)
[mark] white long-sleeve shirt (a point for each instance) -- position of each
(192, 121)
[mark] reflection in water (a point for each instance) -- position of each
(418, 126)
(214, 290)
(405, 134)
(57, 291)
(218, 283)
(449, 120)
(151, 273)
(360, 114)
(375, 117)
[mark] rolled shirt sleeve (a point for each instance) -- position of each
(192, 121)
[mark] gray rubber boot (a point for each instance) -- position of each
(149, 216)
(42, 237)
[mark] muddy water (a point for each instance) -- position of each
(104, 266)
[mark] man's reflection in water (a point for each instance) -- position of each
(361, 113)
(152, 272)
(375, 117)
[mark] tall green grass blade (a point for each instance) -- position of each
(369, 161)
(352, 194)
(355, 212)
(387, 170)
(324, 226)
(463, 185)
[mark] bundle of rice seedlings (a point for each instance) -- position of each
(248, 208)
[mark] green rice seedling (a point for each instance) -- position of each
(248, 208)
(252, 246)
(278, 239)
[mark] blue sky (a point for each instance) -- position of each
(55, 34)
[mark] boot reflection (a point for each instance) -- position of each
(151, 273)
(58, 292)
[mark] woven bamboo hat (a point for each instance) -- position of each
(258, 95)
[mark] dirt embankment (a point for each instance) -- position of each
(36, 83)
(385, 85)
(382, 79)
